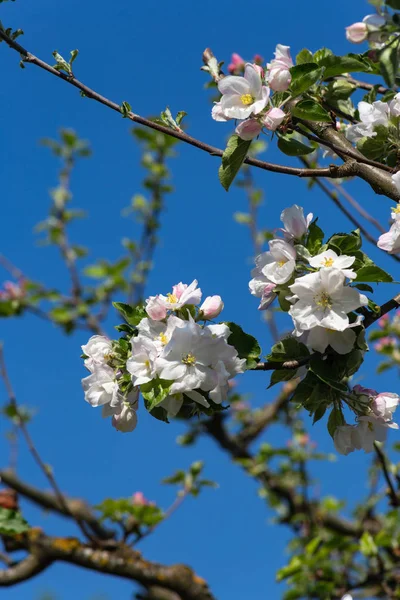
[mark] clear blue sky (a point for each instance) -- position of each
(149, 53)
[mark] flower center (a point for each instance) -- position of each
(172, 299)
(281, 263)
(323, 300)
(189, 359)
(163, 339)
(327, 262)
(247, 99)
(147, 364)
(397, 209)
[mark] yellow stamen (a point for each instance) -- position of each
(163, 339)
(281, 263)
(189, 359)
(323, 300)
(147, 364)
(172, 299)
(397, 209)
(327, 262)
(247, 99)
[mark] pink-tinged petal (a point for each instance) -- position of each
(217, 113)
(234, 108)
(259, 105)
(357, 33)
(282, 53)
(248, 130)
(274, 118)
(252, 76)
(232, 84)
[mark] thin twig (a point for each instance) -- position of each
(357, 206)
(32, 448)
(394, 499)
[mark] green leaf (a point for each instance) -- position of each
(125, 109)
(62, 64)
(291, 146)
(132, 314)
(155, 391)
(393, 4)
(304, 56)
(374, 274)
(348, 243)
(303, 77)
(288, 349)
(375, 148)
(321, 54)
(323, 370)
(246, 345)
(315, 238)
(335, 420)
(363, 287)
(292, 568)
(389, 63)
(367, 545)
(11, 522)
(336, 65)
(282, 375)
(74, 54)
(232, 159)
(311, 111)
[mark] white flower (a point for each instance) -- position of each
(295, 224)
(217, 113)
(394, 106)
(181, 294)
(346, 439)
(100, 387)
(242, 96)
(278, 264)
(383, 407)
(390, 241)
(98, 349)
(141, 364)
(155, 308)
(249, 129)
(319, 338)
(219, 330)
(330, 260)
(374, 21)
(159, 332)
(370, 430)
(323, 300)
(211, 307)
(371, 115)
(187, 360)
(220, 392)
(262, 288)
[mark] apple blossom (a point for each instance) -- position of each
(394, 106)
(295, 224)
(357, 33)
(172, 405)
(390, 241)
(346, 439)
(330, 260)
(262, 288)
(156, 308)
(279, 76)
(322, 299)
(123, 411)
(243, 96)
(319, 338)
(278, 264)
(371, 115)
(249, 129)
(374, 21)
(370, 430)
(383, 406)
(141, 364)
(181, 294)
(98, 350)
(211, 307)
(100, 387)
(273, 118)
(159, 332)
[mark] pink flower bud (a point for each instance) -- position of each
(258, 59)
(248, 130)
(357, 33)
(279, 79)
(211, 307)
(139, 499)
(155, 308)
(274, 118)
(237, 63)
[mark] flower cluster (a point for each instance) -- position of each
(248, 98)
(173, 356)
(372, 424)
(321, 299)
(372, 115)
(390, 241)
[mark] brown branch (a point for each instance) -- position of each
(363, 85)
(394, 498)
(331, 171)
(73, 507)
(121, 562)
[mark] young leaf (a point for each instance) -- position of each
(389, 63)
(304, 56)
(336, 65)
(335, 420)
(289, 145)
(315, 238)
(288, 349)
(232, 159)
(155, 391)
(132, 314)
(246, 345)
(281, 375)
(374, 274)
(12, 522)
(311, 110)
(303, 77)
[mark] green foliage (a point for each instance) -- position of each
(246, 345)
(377, 147)
(311, 111)
(132, 314)
(62, 64)
(335, 420)
(12, 522)
(395, 4)
(304, 56)
(288, 349)
(155, 391)
(374, 274)
(232, 159)
(290, 145)
(168, 120)
(315, 238)
(337, 65)
(389, 63)
(303, 77)
(126, 512)
(280, 375)
(190, 481)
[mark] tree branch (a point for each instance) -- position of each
(25, 569)
(72, 507)
(332, 171)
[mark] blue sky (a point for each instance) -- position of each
(150, 54)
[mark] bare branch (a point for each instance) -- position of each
(25, 569)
